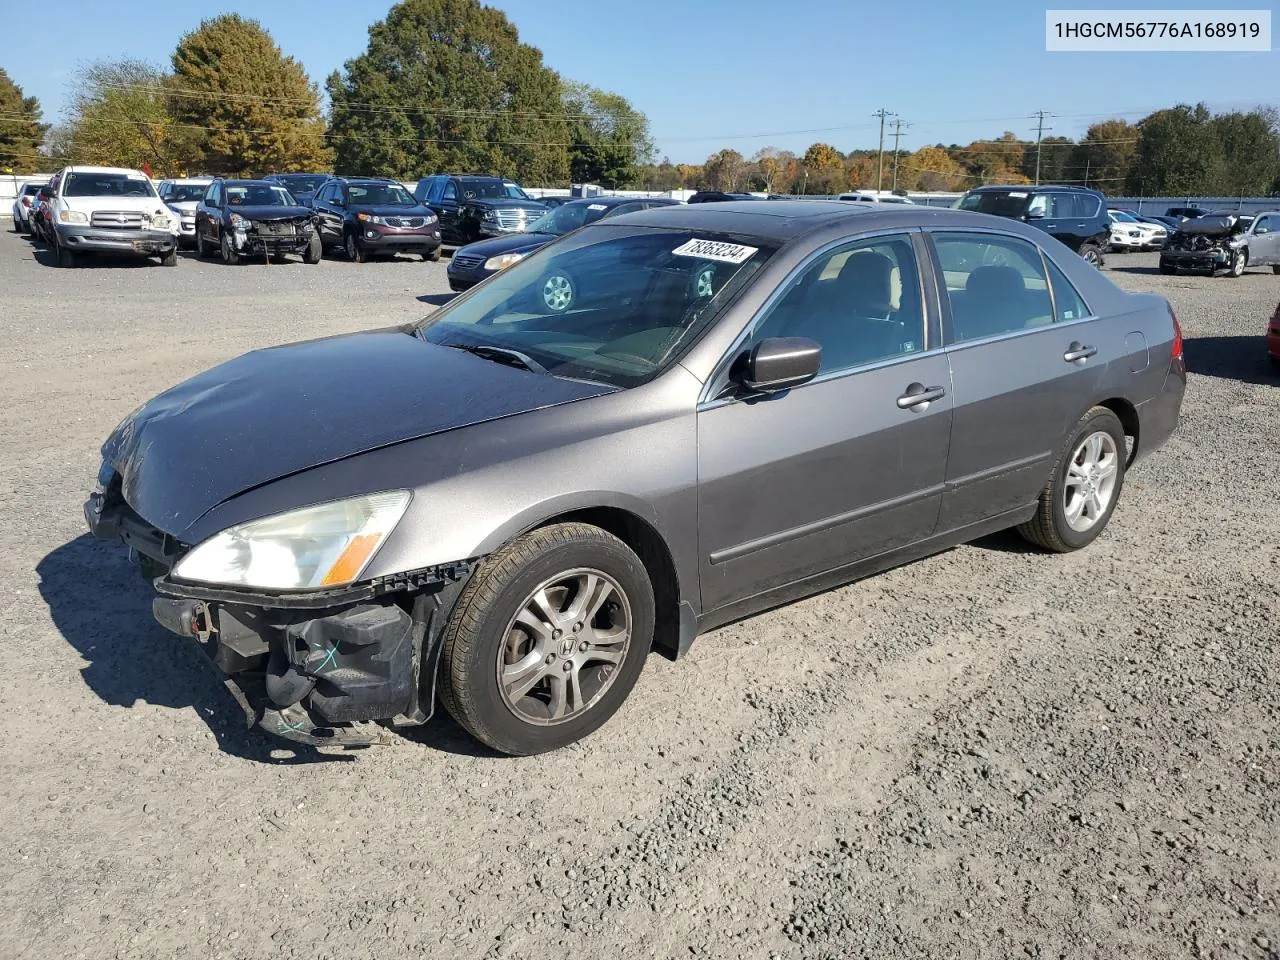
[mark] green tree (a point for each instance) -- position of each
(21, 132)
(610, 138)
(1250, 152)
(1178, 152)
(1104, 157)
(1055, 160)
(446, 85)
(119, 116)
(253, 109)
(824, 165)
(724, 170)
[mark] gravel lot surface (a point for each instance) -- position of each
(991, 753)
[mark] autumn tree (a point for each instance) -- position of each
(996, 161)
(609, 138)
(824, 165)
(1102, 159)
(1055, 160)
(935, 170)
(446, 85)
(21, 132)
(724, 170)
(119, 116)
(252, 108)
(771, 167)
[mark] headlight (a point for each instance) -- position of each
(502, 261)
(490, 215)
(238, 222)
(322, 546)
(73, 216)
(370, 218)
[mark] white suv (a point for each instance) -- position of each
(182, 197)
(110, 210)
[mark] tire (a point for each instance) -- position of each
(170, 259)
(229, 254)
(66, 258)
(1238, 263)
(16, 226)
(1090, 253)
(483, 636)
(557, 292)
(351, 246)
(314, 251)
(434, 256)
(1275, 268)
(1275, 361)
(1168, 268)
(1051, 527)
(202, 252)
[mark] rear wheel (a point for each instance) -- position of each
(1090, 253)
(1085, 485)
(547, 639)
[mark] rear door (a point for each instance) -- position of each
(1024, 369)
(848, 466)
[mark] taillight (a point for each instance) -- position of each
(1177, 336)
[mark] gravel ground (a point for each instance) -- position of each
(993, 752)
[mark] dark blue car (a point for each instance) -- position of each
(476, 261)
(303, 186)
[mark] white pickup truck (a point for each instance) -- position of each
(110, 210)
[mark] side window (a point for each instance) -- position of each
(450, 191)
(995, 284)
(1066, 299)
(1264, 225)
(860, 303)
(1086, 205)
(211, 195)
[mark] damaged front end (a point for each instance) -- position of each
(323, 667)
(1205, 243)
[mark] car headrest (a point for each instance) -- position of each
(994, 282)
(867, 278)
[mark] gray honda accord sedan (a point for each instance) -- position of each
(660, 423)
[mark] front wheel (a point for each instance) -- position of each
(1239, 261)
(229, 254)
(170, 259)
(1090, 253)
(201, 250)
(355, 252)
(547, 639)
(1168, 268)
(1084, 487)
(66, 258)
(314, 251)
(433, 256)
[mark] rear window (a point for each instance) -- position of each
(1001, 203)
(185, 192)
(31, 189)
(107, 185)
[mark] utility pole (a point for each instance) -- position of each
(898, 124)
(1040, 129)
(881, 113)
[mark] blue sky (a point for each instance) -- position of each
(738, 73)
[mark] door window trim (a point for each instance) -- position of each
(710, 397)
(949, 342)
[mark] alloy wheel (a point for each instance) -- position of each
(1091, 481)
(557, 292)
(562, 649)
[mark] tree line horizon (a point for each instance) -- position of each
(447, 85)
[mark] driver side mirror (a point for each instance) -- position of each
(1034, 215)
(1262, 229)
(780, 363)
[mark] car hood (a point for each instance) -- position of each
(501, 204)
(278, 411)
(513, 243)
(272, 212)
(186, 206)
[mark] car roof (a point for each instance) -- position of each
(187, 180)
(784, 220)
(85, 168)
(245, 183)
(611, 201)
(997, 188)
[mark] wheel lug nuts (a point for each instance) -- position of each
(583, 646)
(557, 634)
(577, 627)
(551, 658)
(568, 665)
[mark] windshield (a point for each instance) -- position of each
(477, 189)
(381, 195)
(568, 217)
(1122, 216)
(183, 192)
(259, 195)
(302, 182)
(612, 304)
(107, 185)
(1010, 203)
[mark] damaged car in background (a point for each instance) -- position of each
(241, 219)
(1224, 241)
(507, 505)
(113, 210)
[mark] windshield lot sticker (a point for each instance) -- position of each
(715, 250)
(597, 206)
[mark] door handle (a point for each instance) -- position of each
(1078, 352)
(918, 397)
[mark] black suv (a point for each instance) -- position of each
(471, 207)
(1075, 215)
(303, 186)
(371, 215)
(719, 196)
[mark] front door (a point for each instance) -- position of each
(846, 467)
(1264, 240)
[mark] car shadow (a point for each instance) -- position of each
(102, 608)
(1230, 358)
(1134, 269)
(437, 299)
(1006, 541)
